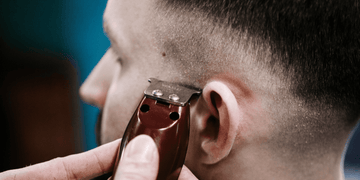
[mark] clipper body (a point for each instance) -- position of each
(163, 114)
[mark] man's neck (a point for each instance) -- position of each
(255, 164)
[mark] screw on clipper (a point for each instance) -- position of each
(157, 93)
(174, 97)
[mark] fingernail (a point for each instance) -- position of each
(141, 149)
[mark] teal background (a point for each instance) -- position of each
(70, 27)
(73, 28)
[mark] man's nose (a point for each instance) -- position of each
(94, 89)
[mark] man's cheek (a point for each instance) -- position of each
(116, 116)
(113, 125)
(124, 95)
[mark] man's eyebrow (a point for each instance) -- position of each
(111, 36)
(106, 28)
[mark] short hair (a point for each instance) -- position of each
(315, 43)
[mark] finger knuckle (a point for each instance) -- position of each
(69, 173)
(99, 163)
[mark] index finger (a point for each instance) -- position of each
(84, 165)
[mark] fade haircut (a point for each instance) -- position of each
(314, 43)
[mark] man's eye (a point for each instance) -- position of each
(119, 60)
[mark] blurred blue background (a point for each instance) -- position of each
(73, 29)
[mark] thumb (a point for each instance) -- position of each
(140, 160)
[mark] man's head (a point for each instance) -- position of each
(279, 77)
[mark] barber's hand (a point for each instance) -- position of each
(141, 161)
(85, 165)
(134, 164)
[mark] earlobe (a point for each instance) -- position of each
(220, 127)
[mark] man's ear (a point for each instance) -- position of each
(219, 127)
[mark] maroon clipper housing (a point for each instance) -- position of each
(163, 114)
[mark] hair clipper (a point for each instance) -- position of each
(163, 114)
